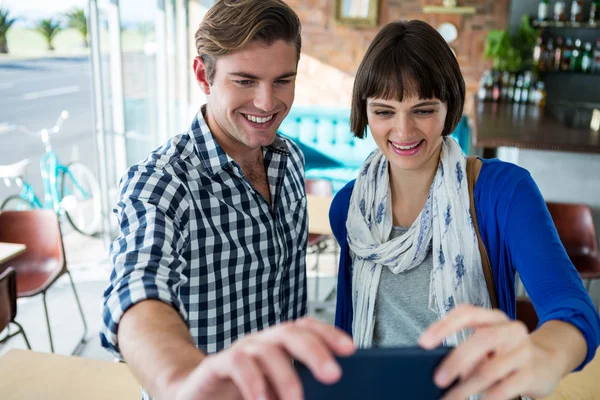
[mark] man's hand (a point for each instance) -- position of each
(501, 360)
(259, 366)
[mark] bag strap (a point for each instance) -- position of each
(473, 169)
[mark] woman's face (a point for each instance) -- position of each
(408, 132)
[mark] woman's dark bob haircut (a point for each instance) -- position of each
(408, 58)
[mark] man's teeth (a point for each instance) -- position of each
(405, 147)
(259, 120)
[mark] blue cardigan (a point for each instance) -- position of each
(519, 235)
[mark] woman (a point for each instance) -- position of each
(411, 271)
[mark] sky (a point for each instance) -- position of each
(30, 11)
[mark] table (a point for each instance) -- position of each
(27, 374)
(582, 385)
(10, 250)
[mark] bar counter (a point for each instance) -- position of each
(528, 126)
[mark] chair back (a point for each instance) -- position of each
(8, 297)
(575, 226)
(319, 187)
(39, 230)
(526, 313)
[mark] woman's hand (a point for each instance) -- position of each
(499, 360)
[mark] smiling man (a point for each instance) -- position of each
(214, 230)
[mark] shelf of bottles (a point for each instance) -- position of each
(572, 15)
(567, 54)
(506, 87)
(556, 54)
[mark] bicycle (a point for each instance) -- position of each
(71, 190)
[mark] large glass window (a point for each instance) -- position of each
(141, 89)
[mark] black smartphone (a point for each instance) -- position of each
(380, 373)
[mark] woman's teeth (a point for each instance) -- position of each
(405, 147)
(258, 120)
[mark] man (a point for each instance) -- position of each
(214, 230)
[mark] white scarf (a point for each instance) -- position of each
(445, 223)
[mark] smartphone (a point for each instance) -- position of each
(380, 373)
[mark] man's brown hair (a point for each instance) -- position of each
(408, 58)
(231, 24)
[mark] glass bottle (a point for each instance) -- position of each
(597, 57)
(594, 18)
(526, 87)
(540, 94)
(504, 86)
(560, 12)
(511, 87)
(576, 57)
(543, 10)
(587, 58)
(567, 53)
(483, 86)
(576, 11)
(558, 53)
(548, 55)
(496, 87)
(518, 89)
(538, 50)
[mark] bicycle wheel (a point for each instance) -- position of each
(15, 203)
(81, 199)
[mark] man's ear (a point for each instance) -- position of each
(201, 74)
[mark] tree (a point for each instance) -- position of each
(5, 24)
(48, 28)
(76, 19)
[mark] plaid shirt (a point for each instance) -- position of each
(196, 235)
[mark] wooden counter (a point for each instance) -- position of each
(31, 375)
(528, 126)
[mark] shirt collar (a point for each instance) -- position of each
(212, 155)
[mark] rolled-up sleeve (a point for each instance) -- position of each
(147, 256)
(548, 274)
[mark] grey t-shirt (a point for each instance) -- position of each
(402, 305)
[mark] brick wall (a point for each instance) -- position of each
(332, 53)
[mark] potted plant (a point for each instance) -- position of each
(511, 53)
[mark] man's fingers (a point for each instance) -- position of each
(280, 373)
(310, 349)
(245, 373)
(261, 365)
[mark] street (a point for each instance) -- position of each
(33, 94)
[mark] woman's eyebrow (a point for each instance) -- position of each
(427, 103)
(375, 104)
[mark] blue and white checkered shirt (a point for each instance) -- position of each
(196, 235)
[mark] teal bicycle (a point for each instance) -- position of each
(71, 190)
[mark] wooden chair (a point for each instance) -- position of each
(8, 306)
(575, 226)
(43, 263)
(526, 313)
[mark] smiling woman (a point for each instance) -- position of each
(411, 269)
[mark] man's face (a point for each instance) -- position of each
(251, 93)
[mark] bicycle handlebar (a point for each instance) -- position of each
(43, 133)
